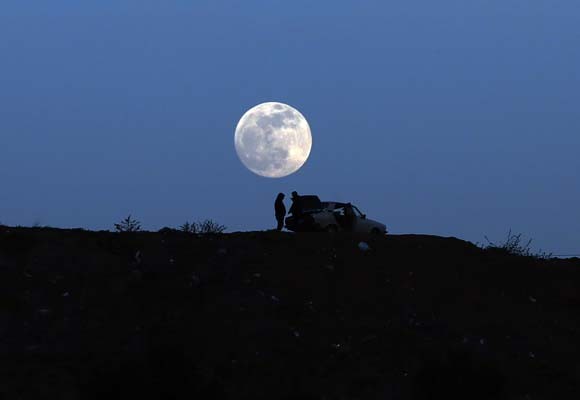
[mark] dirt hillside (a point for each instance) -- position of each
(268, 315)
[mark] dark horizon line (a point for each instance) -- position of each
(266, 230)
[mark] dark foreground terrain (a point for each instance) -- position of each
(99, 315)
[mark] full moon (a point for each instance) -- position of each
(273, 140)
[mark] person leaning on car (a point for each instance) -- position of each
(280, 210)
(296, 207)
(348, 217)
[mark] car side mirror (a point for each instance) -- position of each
(364, 216)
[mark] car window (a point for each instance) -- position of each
(357, 212)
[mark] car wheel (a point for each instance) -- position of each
(332, 228)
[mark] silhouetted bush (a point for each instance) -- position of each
(515, 245)
(203, 228)
(210, 226)
(189, 227)
(128, 225)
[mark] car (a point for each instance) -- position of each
(331, 216)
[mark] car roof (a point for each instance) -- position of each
(310, 202)
(309, 197)
(335, 204)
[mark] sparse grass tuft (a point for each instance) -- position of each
(514, 244)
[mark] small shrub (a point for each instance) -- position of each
(128, 225)
(203, 228)
(515, 245)
(210, 227)
(189, 227)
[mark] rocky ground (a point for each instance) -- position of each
(268, 315)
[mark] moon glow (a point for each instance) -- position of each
(273, 140)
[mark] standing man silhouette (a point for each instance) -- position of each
(280, 210)
(296, 207)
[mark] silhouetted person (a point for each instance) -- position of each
(296, 207)
(280, 210)
(348, 217)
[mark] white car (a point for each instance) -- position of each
(331, 216)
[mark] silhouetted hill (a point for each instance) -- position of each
(267, 315)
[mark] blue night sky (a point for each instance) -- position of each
(456, 118)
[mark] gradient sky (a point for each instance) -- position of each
(450, 117)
